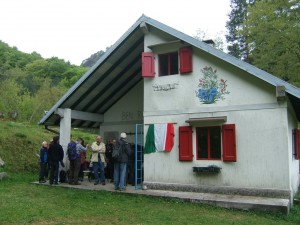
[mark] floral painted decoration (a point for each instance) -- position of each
(210, 87)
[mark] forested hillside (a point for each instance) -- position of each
(30, 84)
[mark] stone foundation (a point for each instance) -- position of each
(271, 193)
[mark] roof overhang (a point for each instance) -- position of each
(116, 73)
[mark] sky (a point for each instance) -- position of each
(75, 29)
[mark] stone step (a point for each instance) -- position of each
(227, 201)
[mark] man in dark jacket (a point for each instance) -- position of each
(120, 167)
(56, 155)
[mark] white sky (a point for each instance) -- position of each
(75, 29)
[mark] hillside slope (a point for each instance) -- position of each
(20, 142)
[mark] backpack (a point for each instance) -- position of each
(117, 153)
(72, 153)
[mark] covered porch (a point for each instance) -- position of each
(109, 97)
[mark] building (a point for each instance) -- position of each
(235, 126)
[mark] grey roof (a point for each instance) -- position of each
(119, 69)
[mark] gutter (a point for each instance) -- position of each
(51, 130)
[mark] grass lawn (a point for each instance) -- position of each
(25, 203)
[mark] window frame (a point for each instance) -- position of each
(169, 63)
(208, 143)
(296, 143)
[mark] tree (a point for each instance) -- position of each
(89, 62)
(11, 57)
(71, 76)
(237, 45)
(10, 99)
(30, 84)
(272, 31)
(202, 35)
(42, 101)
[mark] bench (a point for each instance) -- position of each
(89, 174)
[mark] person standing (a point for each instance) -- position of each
(76, 163)
(43, 161)
(98, 159)
(109, 160)
(131, 166)
(56, 155)
(121, 165)
(83, 162)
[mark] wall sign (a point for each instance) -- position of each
(131, 115)
(211, 88)
(165, 87)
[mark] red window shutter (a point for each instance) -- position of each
(297, 144)
(186, 60)
(148, 64)
(185, 143)
(229, 143)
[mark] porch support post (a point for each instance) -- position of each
(65, 132)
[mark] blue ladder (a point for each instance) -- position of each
(139, 156)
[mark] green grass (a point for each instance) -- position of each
(25, 203)
(20, 142)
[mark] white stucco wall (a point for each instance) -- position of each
(127, 112)
(262, 161)
(261, 126)
(293, 163)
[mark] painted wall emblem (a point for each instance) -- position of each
(211, 88)
(165, 87)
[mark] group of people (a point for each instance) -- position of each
(52, 154)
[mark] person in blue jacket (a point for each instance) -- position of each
(43, 161)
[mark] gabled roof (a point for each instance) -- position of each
(119, 69)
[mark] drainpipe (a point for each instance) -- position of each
(51, 130)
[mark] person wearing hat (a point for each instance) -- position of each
(121, 165)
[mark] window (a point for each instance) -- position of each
(209, 143)
(212, 143)
(168, 64)
(296, 143)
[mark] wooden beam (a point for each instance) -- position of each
(81, 115)
(144, 28)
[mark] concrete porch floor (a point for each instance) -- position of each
(226, 201)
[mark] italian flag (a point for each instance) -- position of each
(160, 137)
